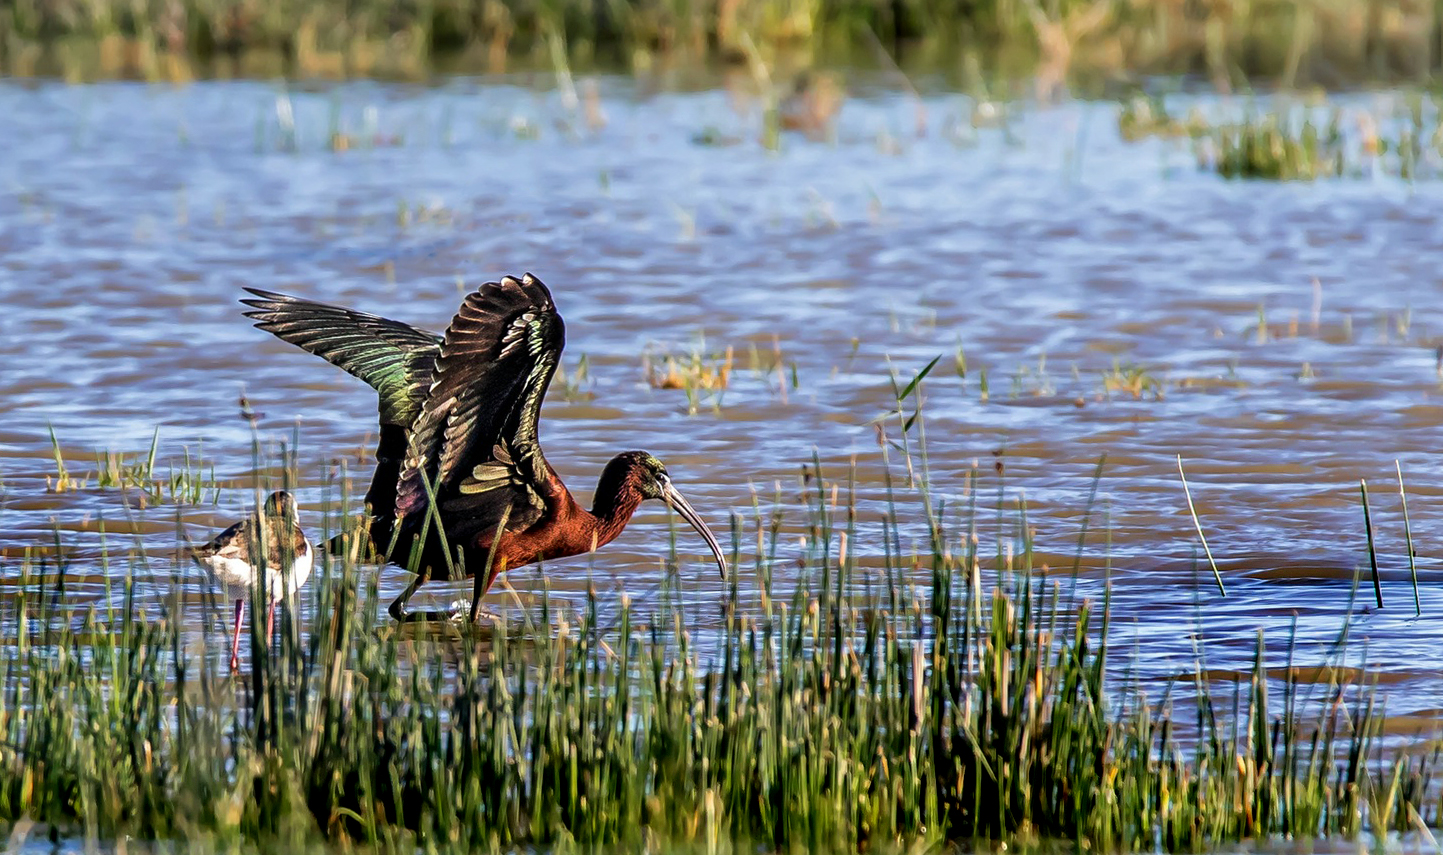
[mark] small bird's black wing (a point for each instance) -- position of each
(395, 359)
(234, 542)
(283, 536)
(476, 439)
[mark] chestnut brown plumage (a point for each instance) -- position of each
(459, 458)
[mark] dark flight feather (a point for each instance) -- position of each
(476, 436)
(395, 359)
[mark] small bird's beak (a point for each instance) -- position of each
(679, 504)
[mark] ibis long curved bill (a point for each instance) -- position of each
(678, 503)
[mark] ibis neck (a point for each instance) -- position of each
(613, 506)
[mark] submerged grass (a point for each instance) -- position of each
(938, 697)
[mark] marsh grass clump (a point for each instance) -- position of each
(113, 469)
(1270, 146)
(574, 385)
(1143, 115)
(188, 484)
(702, 375)
(1305, 142)
(959, 365)
(187, 481)
(62, 481)
(1030, 382)
(939, 697)
(773, 362)
(1131, 379)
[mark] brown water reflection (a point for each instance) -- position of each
(1046, 253)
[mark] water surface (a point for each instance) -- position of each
(1283, 334)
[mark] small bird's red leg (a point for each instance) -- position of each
(240, 606)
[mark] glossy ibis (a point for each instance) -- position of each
(459, 459)
(234, 558)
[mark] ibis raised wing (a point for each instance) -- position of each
(475, 440)
(395, 359)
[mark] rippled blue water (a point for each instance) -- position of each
(1037, 243)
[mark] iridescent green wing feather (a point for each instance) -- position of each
(476, 437)
(395, 359)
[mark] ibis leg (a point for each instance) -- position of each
(398, 606)
(483, 584)
(476, 601)
(486, 575)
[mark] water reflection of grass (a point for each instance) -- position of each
(949, 694)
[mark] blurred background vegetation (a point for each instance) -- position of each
(1332, 43)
